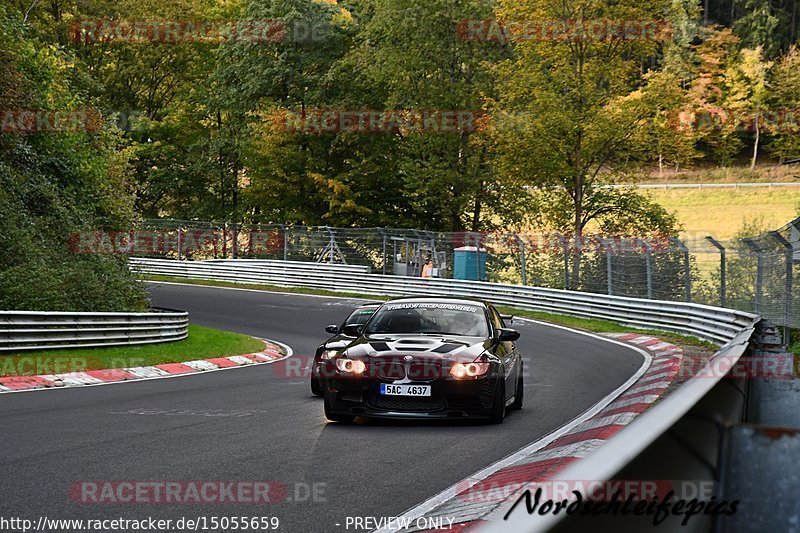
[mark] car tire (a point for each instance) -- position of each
(316, 387)
(499, 406)
(519, 392)
(333, 417)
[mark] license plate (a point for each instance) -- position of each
(388, 389)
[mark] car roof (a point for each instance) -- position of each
(439, 299)
(370, 304)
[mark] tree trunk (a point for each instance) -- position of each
(755, 143)
(476, 215)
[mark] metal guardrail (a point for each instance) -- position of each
(44, 330)
(713, 324)
(272, 263)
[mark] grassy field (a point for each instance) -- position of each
(734, 174)
(202, 343)
(721, 212)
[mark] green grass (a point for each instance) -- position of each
(721, 212)
(594, 325)
(605, 326)
(202, 343)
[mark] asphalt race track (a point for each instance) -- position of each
(259, 423)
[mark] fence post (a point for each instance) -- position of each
(759, 271)
(608, 267)
(787, 297)
(225, 240)
(723, 298)
(235, 240)
(523, 269)
(565, 249)
(687, 268)
(383, 270)
(477, 240)
(285, 241)
(180, 242)
(649, 266)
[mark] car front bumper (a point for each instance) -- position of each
(450, 398)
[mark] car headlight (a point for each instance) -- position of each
(351, 366)
(328, 354)
(469, 370)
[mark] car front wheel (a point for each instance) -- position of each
(316, 387)
(519, 393)
(499, 406)
(333, 417)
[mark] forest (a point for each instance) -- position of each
(443, 115)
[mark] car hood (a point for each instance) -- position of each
(452, 347)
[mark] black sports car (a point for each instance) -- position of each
(358, 317)
(426, 358)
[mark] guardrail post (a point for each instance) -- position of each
(787, 298)
(687, 268)
(759, 271)
(722, 270)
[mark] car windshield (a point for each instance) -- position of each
(359, 316)
(430, 318)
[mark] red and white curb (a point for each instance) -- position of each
(273, 352)
(486, 496)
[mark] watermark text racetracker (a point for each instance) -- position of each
(166, 242)
(197, 523)
(33, 365)
(192, 492)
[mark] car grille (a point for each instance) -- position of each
(424, 371)
(390, 370)
(406, 404)
(419, 370)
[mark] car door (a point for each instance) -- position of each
(505, 351)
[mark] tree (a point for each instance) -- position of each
(54, 183)
(411, 57)
(578, 104)
(784, 100)
(762, 26)
(707, 112)
(748, 91)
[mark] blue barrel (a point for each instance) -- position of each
(469, 263)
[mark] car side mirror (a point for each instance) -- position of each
(353, 330)
(507, 335)
(333, 329)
